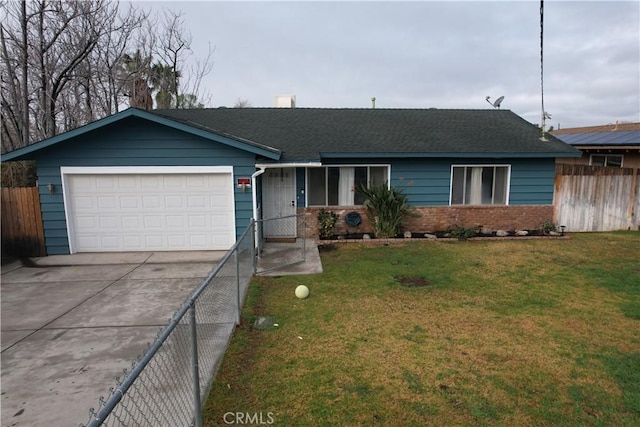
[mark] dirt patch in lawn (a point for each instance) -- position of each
(412, 281)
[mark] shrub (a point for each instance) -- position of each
(462, 233)
(326, 222)
(547, 227)
(386, 209)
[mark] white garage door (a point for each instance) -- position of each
(150, 212)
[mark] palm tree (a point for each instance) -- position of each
(164, 80)
(134, 71)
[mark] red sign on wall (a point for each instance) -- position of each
(243, 182)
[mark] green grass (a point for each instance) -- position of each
(518, 332)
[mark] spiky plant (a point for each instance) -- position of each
(386, 208)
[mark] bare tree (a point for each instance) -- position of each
(176, 63)
(65, 63)
(242, 103)
(58, 65)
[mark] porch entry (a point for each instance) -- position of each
(279, 201)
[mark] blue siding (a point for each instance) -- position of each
(532, 181)
(300, 187)
(426, 182)
(133, 142)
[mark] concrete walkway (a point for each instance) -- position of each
(299, 258)
(72, 323)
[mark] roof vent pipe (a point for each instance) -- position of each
(373, 102)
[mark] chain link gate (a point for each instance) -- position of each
(278, 244)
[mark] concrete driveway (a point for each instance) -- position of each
(72, 323)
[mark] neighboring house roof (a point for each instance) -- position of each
(312, 134)
(618, 135)
(617, 127)
(601, 138)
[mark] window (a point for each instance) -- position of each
(479, 185)
(611, 160)
(336, 185)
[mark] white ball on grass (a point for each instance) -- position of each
(302, 292)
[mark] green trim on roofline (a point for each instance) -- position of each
(249, 146)
(518, 155)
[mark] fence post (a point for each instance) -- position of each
(238, 285)
(304, 237)
(195, 365)
(254, 247)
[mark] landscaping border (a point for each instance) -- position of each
(439, 239)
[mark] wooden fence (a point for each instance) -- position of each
(22, 233)
(594, 198)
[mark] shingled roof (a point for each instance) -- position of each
(312, 134)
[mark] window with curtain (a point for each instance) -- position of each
(336, 185)
(479, 185)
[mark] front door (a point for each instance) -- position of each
(279, 200)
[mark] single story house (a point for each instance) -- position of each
(192, 179)
(615, 145)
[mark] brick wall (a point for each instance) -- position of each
(439, 218)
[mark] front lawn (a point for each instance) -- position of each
(519, 332)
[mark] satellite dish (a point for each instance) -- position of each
(496, 103)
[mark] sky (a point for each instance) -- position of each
(423, 54)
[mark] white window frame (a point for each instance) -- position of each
(606, 159)
(326, 178)
(508, 189)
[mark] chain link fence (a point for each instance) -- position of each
(167, 384)
(278, 246)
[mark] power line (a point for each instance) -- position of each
(542, 67)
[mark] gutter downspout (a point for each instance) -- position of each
(254, 197)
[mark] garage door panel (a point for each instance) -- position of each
(110, 242)
(176, 241)
(105, 182)
(154, 241)
(111, 222)
(196, 201)
(173, 202)
(126, 182)
(198, 241)
(150, 212)
(86, 203)
(132, 242)
(85, 184)
(154, 221)
(107, 202)
(87, 222)
(196, 181)
(151, 202)
(150, 181)
(129, 221)
(129, 202)
(175, 221)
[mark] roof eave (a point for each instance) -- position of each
(333, 155)
(25, 152)
(607, 147)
